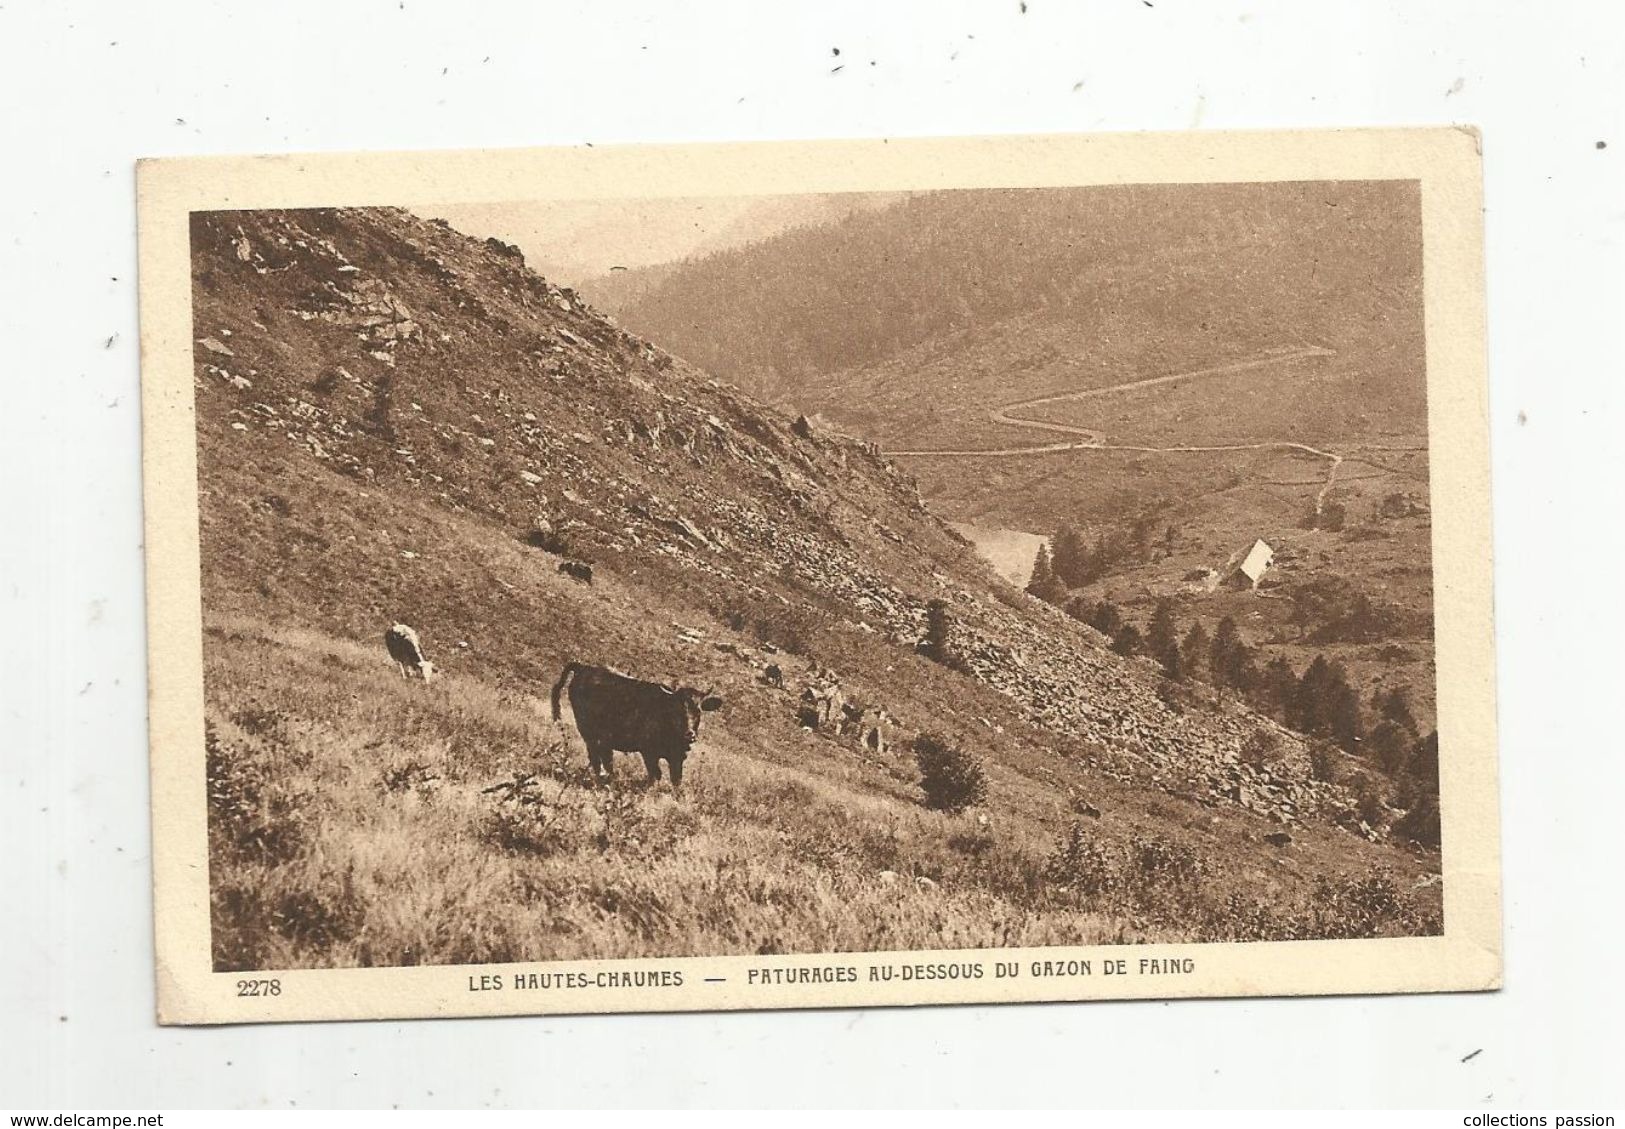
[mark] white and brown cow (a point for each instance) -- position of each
(407, 650)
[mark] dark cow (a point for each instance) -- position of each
(851, 719)
(615, 713)
(867, 724)
(773, 676)
(821, 707)
(407, 651)
(577, 570)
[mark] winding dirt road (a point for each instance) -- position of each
(1088, 439)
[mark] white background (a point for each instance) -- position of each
(85, 89)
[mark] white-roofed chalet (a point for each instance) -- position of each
(1253, 566)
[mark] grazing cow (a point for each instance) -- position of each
(615, 713)
(851, 717)
(875, 734)
(822, 707)
(407, 651)
(807, 713)
(867, 724)
(577, 570)
(773, 676)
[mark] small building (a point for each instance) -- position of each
(1253, 566)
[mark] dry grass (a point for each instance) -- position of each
(381, 822)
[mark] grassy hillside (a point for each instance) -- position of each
(392, 417)
(943, 394)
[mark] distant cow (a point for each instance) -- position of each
(773, 676)
(577, 570)
(876, 734)
(616, 713)
(822, 707)
(868, 724)
(407, 651)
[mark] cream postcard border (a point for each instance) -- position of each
(1446, 161)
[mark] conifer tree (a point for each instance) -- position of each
(1098, 562)
(1394, 707)
(1308, 711)
(1195, 650)
(1042, 572)
(1161, 641)
(1343, 709)
(1424, 761)
(1127, 641)
(1280, 686)
(1389, 746)
(1224, 640)
(1069, 557)
(1044, 583)
(1106, 619)
(937, 645)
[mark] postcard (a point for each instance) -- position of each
(819, 574)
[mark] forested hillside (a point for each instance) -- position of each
(1132, 275)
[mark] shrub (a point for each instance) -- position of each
(1165, 863)
(623, 821)
(1176, 696)
(322, 917)
(549, 540)
(1420, 824)
(1371, 801)
(1324, 762)
(937, 644)
(523, 820)
(1240, 918)
(951, 778)
(793, 630)
(1371, 905)
(255, 813)
(1262, 749)
(1399, 505)
(412, 776)
(1080, 865)
(973, 843)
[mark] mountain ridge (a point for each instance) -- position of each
(1115, 274)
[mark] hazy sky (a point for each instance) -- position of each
(572, 240)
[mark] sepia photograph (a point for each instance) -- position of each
(1038, 583)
